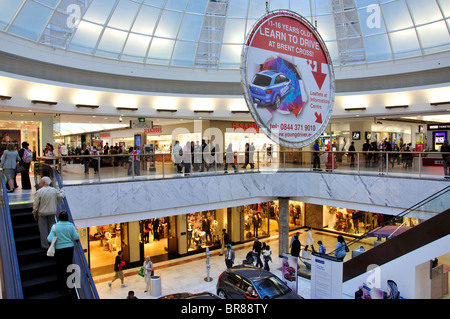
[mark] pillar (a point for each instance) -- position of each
(283, 231)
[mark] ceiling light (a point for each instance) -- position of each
(4, 97)
(43, 102)
(166, 110)
(240, 112)
(89, 106)
(127, 108)
(439, 103)
(203, 111)
(390, 107)
(356, 109)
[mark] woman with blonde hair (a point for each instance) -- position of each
(148, 271)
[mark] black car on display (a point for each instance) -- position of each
(233, 284)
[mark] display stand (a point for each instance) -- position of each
(326, 277)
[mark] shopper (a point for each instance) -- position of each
(187, 158)
(340, 248)
(316, 160)
(95, 159)
(446, 158)
(45, 207)
(8, 162)
(257, 252)
(322, 248)
(118, 269)
(26, 157)
(309, 239)
(295, 247)
(225, 241)
(148, 271)
(351, 154)
(131, 295)
(229, 158)
(66, 235)
(86, 160)
(177, 153)
(267, 255)
(229, 256)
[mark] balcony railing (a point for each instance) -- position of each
(105, 168)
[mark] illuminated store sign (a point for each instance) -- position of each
(287, 78)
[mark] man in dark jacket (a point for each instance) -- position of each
(295, 247)
(446, 158)
(257, 252)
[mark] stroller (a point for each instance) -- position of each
(248, 259)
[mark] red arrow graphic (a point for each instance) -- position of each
(319, 76)
(318, 117)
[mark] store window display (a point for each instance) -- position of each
(104, 240)
(154, 234)
(203, 230)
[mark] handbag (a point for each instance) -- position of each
(346, 248)
(51, 249)
(20, 169)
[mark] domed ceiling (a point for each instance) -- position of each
(209, 34)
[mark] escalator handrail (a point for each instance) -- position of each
(402, 214)
(79, 248)
(10, 264)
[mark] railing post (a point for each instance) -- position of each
(387, 163)
(284, 160)
(257, 156)
(163, 163)
(420, 165)
(98, 167)
(132, 166)
(358, 158)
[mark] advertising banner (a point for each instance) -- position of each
(287, 78)
(289, 271)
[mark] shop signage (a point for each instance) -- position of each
(289, 271)
(245, 126)
(442, 126)
(326, 277)
(287, 78)
(155, 130)
(139, 124)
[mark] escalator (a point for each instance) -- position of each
(26, 272)
(434, 214)
(37, 270)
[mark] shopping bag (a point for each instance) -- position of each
(141, 272)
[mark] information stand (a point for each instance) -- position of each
(326, 277)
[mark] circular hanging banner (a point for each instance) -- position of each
(287, 78)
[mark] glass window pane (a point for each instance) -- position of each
(445, 7)
(155, 3)
(179, 5)
(191, 27)
(234, 31)
(86, 37)
(111, 43)
(396, 15)
(405, 43)
(230, 56)
(371, 21)
(50, 3)
(184, 54)
(99, 11)
(326, 27)
(365, 3)
(146, 20)
(8, 10)
(334, 52)
(434, 37)
(124, 15)
(302, 7)
(30, 21)
(238, 9)
(197, 6)
(168, 24)
(424, 11)
(321, 7)
(278, 4)
(136, 48)
(377, 48)
(160, 51)
(256, 9)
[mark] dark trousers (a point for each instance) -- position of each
(63, 258)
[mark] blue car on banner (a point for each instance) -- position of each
(269, 88)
